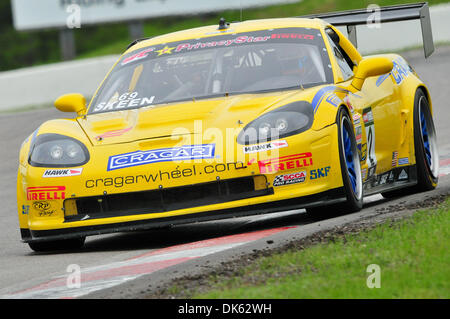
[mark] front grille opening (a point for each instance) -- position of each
(166, 199)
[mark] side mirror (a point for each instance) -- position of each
(373, 66)
(74, 102)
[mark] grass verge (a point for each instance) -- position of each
(412, 254)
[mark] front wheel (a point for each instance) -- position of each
(350, 168)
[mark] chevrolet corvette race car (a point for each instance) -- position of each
(227, 121)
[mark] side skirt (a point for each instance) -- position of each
(399, 177)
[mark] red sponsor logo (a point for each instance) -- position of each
(286, 162)
(292, 36)
(46, 193)
(141, 55)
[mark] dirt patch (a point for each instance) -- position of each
(188, 286)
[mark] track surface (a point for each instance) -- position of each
(118, 258)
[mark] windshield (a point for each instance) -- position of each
(220, 65)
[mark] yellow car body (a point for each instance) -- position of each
(180, 162)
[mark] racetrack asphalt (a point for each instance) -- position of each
(21, 269)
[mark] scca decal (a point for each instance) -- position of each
(286, 162)
(161, 155)
(319, 173)
(46, 193)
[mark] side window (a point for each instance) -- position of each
(341, 57)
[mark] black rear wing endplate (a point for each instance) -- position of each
(352, 18)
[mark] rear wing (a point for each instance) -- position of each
(352, 18)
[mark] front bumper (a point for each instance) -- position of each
(101, 201)
(327, 197)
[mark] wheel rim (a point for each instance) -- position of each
(428, 136)
(353, 166)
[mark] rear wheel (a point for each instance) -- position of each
(58, 245)
(425, 146)
(350, 167)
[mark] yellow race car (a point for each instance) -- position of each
(226, 121)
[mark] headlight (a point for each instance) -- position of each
(54, 150)
(287, 120)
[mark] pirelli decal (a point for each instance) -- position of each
(285, 163)
(46, 193)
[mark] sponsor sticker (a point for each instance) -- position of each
(288, 179)
(403, 161)
(369, 125)
(358, 133)
(264, 147)
(43, 208)
(62, 172)
(163, 175)
(403, 175)
(113, 133)
(46, 193)
(187, 152)
(319, 173)
(25, 209)
(274, 165)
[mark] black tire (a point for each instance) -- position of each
(58, 245)
(354, 195)
(427, 170)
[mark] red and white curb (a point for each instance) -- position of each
(109, 275)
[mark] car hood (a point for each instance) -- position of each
(184, 118)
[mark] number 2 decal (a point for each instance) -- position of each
(369, 124)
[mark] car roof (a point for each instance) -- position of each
(234, 27)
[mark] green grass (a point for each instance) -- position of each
(412, 254)
(160, 26)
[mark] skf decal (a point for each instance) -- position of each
(265, 147)
(288, 179)
(62, 172)
(285, 163)
(113, 133)
(46, 193)
(161, 155)
(319, 173)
